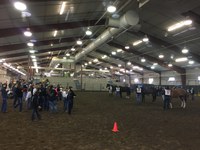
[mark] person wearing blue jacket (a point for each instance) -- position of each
(4, 98)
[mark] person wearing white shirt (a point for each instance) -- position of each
(65, 100)
(138, 94)
(167, 97)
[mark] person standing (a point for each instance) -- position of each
(167, 97)
(35, 105)
(19, 95)
(138, 94)
(65, 99)
(192, 93)
(70, 99)
(4, 98)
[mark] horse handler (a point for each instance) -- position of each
(167, 97)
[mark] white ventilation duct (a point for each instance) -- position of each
(130, 18)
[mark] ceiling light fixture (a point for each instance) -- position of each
(89, 62)
(73, 49)
(119, 50)
(181, 59)
(68, 54)
(191, 62)
(28, 33)
(129, 63)
(32, 56)
(143, 60)
(137, 43)
(179, 25)
(119, 65)
(62, 8)
(30, 44)
(155, 64)
(145, 39)
(20, 6)
(88, 32)
(79, 42)
(32, 51)
(185, 50)
(127, 47)
(55, 33)
(113, 53)
(161, 56)
(170, 65)
(152, 67)
(111, 8)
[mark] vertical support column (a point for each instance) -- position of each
(160, 78)
(125, 71)
(143, 78)
(183, 79)
(81, 76)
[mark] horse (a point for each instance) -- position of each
(180, 93)
(149, 90)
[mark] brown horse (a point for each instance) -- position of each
(179, 93)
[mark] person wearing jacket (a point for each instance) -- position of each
(4, 98)
(19, 95)
(70, 99)
(35, 105)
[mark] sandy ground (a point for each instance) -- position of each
(141, 127)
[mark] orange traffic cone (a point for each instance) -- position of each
(115, 127)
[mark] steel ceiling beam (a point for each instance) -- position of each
(170, 46)
(113, 64)
(125, 61)
(12, 47)
(150, 58)
(50, 27)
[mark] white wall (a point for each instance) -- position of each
(93, 84)
(4, 77)
(192, 76)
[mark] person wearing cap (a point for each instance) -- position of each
(167, 97)
(4, 98)
(70, 99)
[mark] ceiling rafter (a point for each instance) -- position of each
(125, 61)
(168, 45)
(111, 63)
(50, 27)
(150, 58)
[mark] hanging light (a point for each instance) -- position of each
(170, 65)
(88, 32)
(145, 39)
(113, 53)
(185, 50)
(30, 44)
(68, 54)
(79, 42)
(73, 49)
(111, 8)
(28, 33)
(191, 62)
(161, 56)
(129, 63)
(127, 47)
(143, 60)
(20, 6)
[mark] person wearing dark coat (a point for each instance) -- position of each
(4, 99)
(35, 105)
(70, 99)
(19, 95)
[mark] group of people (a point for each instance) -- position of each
(38, 97)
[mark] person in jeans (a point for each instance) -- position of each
(167, 98)
(65, 100)
(4, 98)
(70, 99)
(35, 105)
(19, 95)
(138, 94)
(52, 99)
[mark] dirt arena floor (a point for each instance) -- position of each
(141, 127)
